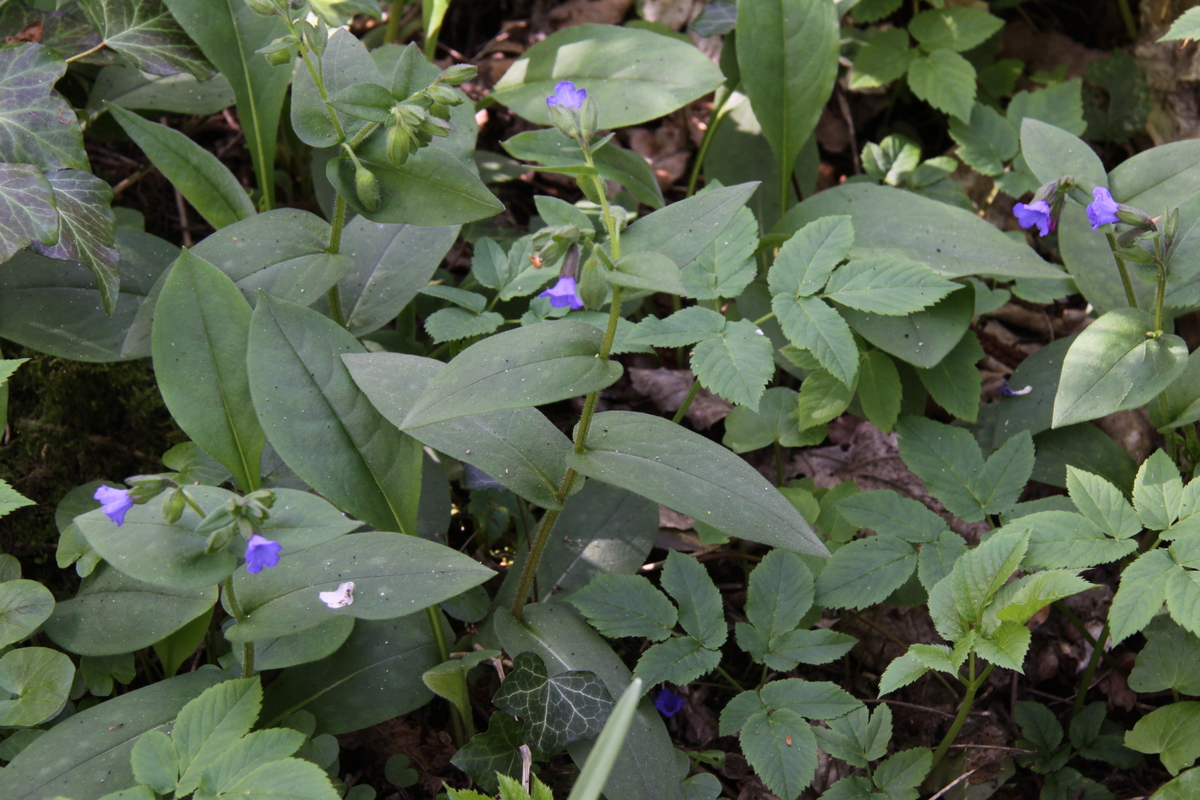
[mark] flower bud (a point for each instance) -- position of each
(264, 7)
(593, 288)
(400, 144)
(316, 36)
(589, 118)
(219, 539)
(279, 58)
(173, 505)
(366, 186)
(444, 95)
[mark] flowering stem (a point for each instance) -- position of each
(240, 616)
(1130, 295)
(1161, 294)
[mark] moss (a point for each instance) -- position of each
(72, 422)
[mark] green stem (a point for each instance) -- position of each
(1097, 651)
(687, 402)
(765, 318)
(439, 640)
(1127, 17)
(1078, 625)
(714, 120)
(1130, 295)
(964, 709)
(335, 243)
(778, 464)
(87, 53)
(393, 22)
(240, 616)
(318, 81)
(729, 679)
(1160, 295)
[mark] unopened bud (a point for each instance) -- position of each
(279, 58)
(459, 73)
(400, 144)
(366, 186)
(316, 36)
(592, 286)
(264, 7)
(589, 118)
(444, 95)
(173, 505)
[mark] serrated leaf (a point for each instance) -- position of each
(1167, 661)
(1102, 503)
(453, 324)
(681, 329)
(1064, 539)
(780, 593)
(808, 258)
(27, 210)
(1060, 105)
(1006, 646)
(292, 778)
(251, 752)
(947, 459)
(900, 673)
(887, 285)
(937, 657)
(865, 572)
(823, 397)
(1183, 599)
(958, 29)
(901, 774)
(145, 33)
(725, 267)
(775, 421)
(1141, 593)
(155, 762)
(1157, 491)
(1171, 732)
(700, 610)
(987, 142)
(1186, 26)
(954, 382)
(785, 651)
(938, 558)
(883, 59)
(979, 574)
(887, 512)
(999, 484)
(859, 737)
(1040, 590)
(210, 724)
(736, 363)
(37, 126)
(680, 661)
(555, 710)
(879, 390)
(626, 605)
(945, 80)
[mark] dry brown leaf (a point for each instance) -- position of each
(668, 387)
(582, 12)
(665, 148)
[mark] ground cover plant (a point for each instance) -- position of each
(463, 439)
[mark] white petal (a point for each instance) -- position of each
(340, 597)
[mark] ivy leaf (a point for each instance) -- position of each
(1173, 732)
(946, 81)
(626, 605)
(887, 285)
(36, 125)
(86, 226)
(810, 324)
(555, 710)
(725, 267)
(27, 211)
(145, 33)
(735, 363)
(454, 324)
(680, 661)
(495, 750)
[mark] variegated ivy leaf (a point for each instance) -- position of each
(555, 710)
(145, 33)
(27, 212)
(37, 126)
(86, 226)
(65, 31)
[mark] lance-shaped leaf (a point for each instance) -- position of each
(27, 211)
(521, 368)
(555, 710)
(147, 35)
(37, 126)
(86, 226)
(694, 475)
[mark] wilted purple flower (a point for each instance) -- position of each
(261, 552)
(567, 95)
(1036, 213)
(563, 294)
(668, 703)
(114, 502)
(1004, 390)
(1103, 209)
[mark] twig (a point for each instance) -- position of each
(131, 180)
(954, 783)
(183, 219)
(927, 709)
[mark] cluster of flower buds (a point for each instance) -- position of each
(414, 122)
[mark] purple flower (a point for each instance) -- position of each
(1103, 209)
(114, 502)
(563, 294)
(567, 95)
(668, 703)
(261, 552)
(1036, 213)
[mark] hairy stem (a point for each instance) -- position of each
(335, 243)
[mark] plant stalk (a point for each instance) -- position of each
(335, 243)
(714, 119)
(393, 22)
(1127, 18)
(1093, 662)
(687, 401)
(240, 616)
(1130, 295)
(964, 709)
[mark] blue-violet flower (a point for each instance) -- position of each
(1036, 213)
(567, 95)
(1103, 209)
(668, 703)
(114, 502)
(564, 294)
(261, 553)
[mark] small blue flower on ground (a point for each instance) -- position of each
(261, 553)
(1005, 390)
(567, 95)
(1103, 209)
(563, 294)
(668, 703)
(1036, 213)
(114, 502)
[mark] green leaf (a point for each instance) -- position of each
(693, 475)
(859, 737)
(785, 651)
(683, 231)
(229, 32)
(1183, 599)
(1167, 659)
(528, 366)
(1186, 26)
(902, 671)
(726, 266)
(785, 769)
(1171, 732)
(822, 398)
(249, 753)
(38, 681)
(952, 241)
(146, 34)
(302, 647)
(879, 390)
(155, 762)
(1187, 784)
(1113, 366)
(30, 127)
(556, 710)
(775, 421)
(27, 209)
(1038, 591)
(210, 724)
(736, 363)
(1158, 491)
(203, 180)
(180, 93)
(1118, 98)
(883, 59)
(1141, 594)
(887, 512)
(923, 338)
(999, 484)
(289, 777)
(948, 460)
(1006, 646)
(173, 650)
(865, 572)
(1065, 540)
(494, 750)
(85, 228)
(454, 324)
(780, 593)
(321, 427)
(980, 573)
(633, 75)
(954, 382)
(680, 661)
(787, 54)
(392, 575)
(113, 614)
(345, 63)
(813, 325)
(1060, 105)
(700, 609)
(893, 160)
(374, 676)
(987, 142)
(24, 606)
(615, 164)
(945, 80)
(520, 447)
(887, 285)
(902, 773)
(1103, 504)
(652, 272)
(957, 29)
(626, 605)
(201, 331)
(808, 258)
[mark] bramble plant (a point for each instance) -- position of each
(386, 499)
